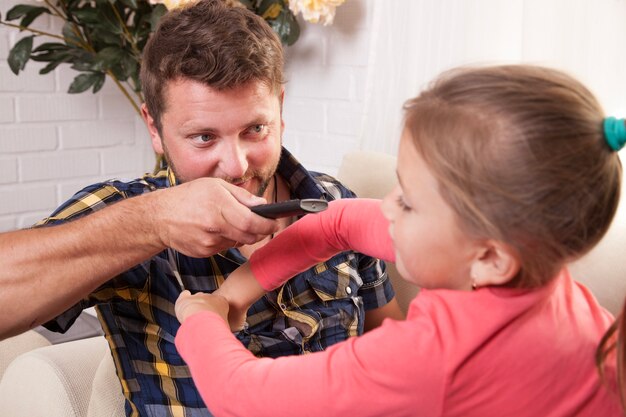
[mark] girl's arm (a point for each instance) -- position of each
(356, 224)
(392, 369)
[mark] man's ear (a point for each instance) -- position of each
(155, 137)
(495, 264)
(281, 99)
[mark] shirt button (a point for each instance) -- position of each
(348, 290)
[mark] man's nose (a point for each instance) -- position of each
(234, 161)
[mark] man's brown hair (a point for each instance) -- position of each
(213, 43)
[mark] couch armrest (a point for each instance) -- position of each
(53, 380)
(106, 399)
(13, 347)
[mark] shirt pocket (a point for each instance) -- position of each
(336, 279)
(333, 288)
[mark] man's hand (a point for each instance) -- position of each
(205, 216)
(188, 305)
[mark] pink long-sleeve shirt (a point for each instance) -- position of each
(490, 352)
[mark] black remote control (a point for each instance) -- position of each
(290, 208)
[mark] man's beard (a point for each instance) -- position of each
(264, 180)
(264, 177)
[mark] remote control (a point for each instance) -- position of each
(290, 208)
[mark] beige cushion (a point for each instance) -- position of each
(106, 399)
(52, 381)
(368, 174)
(12, 347)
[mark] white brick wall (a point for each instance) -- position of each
(52, 143)
(7, 110)
(324, 95)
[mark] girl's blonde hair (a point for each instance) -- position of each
(520, 155)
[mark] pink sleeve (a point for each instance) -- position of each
(392, 369)
(347, 224)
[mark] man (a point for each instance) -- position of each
(212, 79)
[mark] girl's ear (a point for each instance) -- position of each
(155, 137)
(495, 264)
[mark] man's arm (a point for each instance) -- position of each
(46, 270)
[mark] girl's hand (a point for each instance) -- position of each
(237, 314)
(188, 305)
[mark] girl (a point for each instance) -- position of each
(505, 175)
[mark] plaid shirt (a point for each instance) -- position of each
(318, 308)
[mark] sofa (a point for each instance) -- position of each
(77, 378)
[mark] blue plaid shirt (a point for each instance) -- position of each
(316, 309)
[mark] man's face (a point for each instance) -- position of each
(233, 134)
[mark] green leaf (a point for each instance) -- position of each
(87, 15)
(109, 21)
(49, 56)
(20, 54)
(107, 58)
(157, 13)
(130, 3)
(126, 68)
(83, 82)
(32, 15)
(51, 46)
(105, 37)
(22, 10)
(81, 60)
(80, 55)
(286, 26)
(73, 4)
(82, 66)
(130, 64)
(118, 72)
(71, 38)
(51, 66)
(136, 81)
(97, 85)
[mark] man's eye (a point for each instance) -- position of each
(203, 138)
(256, 129)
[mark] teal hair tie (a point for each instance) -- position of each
(615, 132)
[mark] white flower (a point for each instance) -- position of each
(316, 11)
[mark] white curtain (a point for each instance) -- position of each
(414, 40)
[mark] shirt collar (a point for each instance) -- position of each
(301, 181)
(171, 177)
